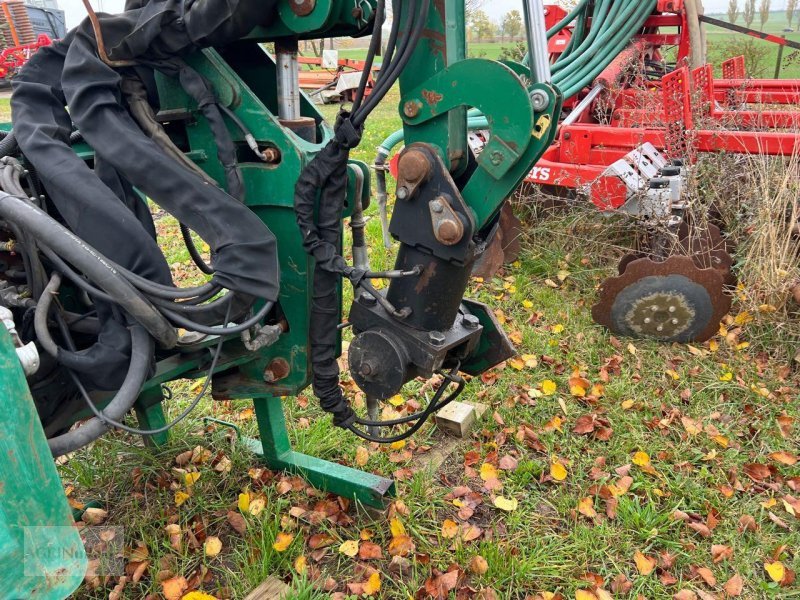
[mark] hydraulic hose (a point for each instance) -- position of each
(42, 313)
(74, 250)
(142, 348)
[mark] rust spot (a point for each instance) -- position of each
(432, 97)
(425, 278)
(277, 370)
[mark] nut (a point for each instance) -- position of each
(411, 109)
(303, 8)
(414, 166)
(448, 232)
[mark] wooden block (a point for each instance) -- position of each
(272, 589)
(456, 419)
(480, 409)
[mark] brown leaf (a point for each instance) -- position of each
(720, 552)
(370, 551)
(784, 458)
(236, 520)
(621, 585)
(508, 463)
(174, 588)
(778, 521)
(685, 595)
(702, 529)
(441, 586)
(757, 472)
(707, 576)
(584, 425)
(747, 523)
(94, 516)
(734, 586)
(401, 545)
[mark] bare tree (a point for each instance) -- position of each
(791, 6)
(733, 10)
(471, 6)
(749, 12)
(764, 11)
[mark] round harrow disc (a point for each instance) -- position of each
(671, 301)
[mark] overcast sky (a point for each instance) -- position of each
(496, 8)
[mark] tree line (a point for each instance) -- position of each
(748, 10)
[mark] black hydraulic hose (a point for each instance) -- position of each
(142, 348)
(8, 145)
(233, 330)
(194, 253)
(374, 47)
(89, 261)
(43, 312)
(74, 276)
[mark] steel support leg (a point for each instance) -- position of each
(150, 413)
(276, 450)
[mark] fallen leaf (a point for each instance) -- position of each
(174, 588)
(370, 551)
(549, 387)
(734, 586)
(585, 595)
(237, 521)
(558, 471)
(641, 459)
(373, 584)
(707, 575)
(257, 506)
(506, 504)
(212, 546)
(784, 458)
(181, 497)
(401, 545)
(397, 528)
(488, 472)
(644, 564)
(195, 595)
(449, 529)
(349, 548)
(362, 456)
(244, 502)
(586, 507)
(301, 565)
(282, 542)
(776, 571)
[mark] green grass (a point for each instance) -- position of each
(544, 545)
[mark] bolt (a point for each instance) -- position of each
(437, 207)
(303, 8)
(471, 322)
(675, 321)
(272, 156)
(497, 158)
(567, 136)
(414, 166)
(449, 232)
(655, 308)
(673, 309)
(648, 320)
(539, 100)
(411, 109)
(366, 370)
(437, 338)
(402, 192)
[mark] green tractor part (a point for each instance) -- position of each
(421, 325)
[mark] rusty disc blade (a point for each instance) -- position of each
(671, 301)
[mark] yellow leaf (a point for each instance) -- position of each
(349, 548)
(558, 471)
(517, 363)
(198, 596)
(373, 584)
(584, 595)
(743, 318)
(721, 440)
(449, 529)
(578, 391)
(674, 374)
(488, 472)
(257, 506)
(530, 361)
(282, 542)
(397, 528)
(212, 546)
(558, 328)
(726, 376)
(563, 275)
(743, 346)
(628, 404)
(190, 479)
(713, 345)
(301, 565)
(586, 507)
(554, 424)
(776, 571)
(362, 456)
(641, 459)
(398, 445)
(181, 497)
(645, 565)
(632, 349)
(244, 502)
(527, 304)
(549, 387)
(771, 503)
(506, 504)
(397, 401)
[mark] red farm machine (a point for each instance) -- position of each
(627, 142)
(23, 30)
